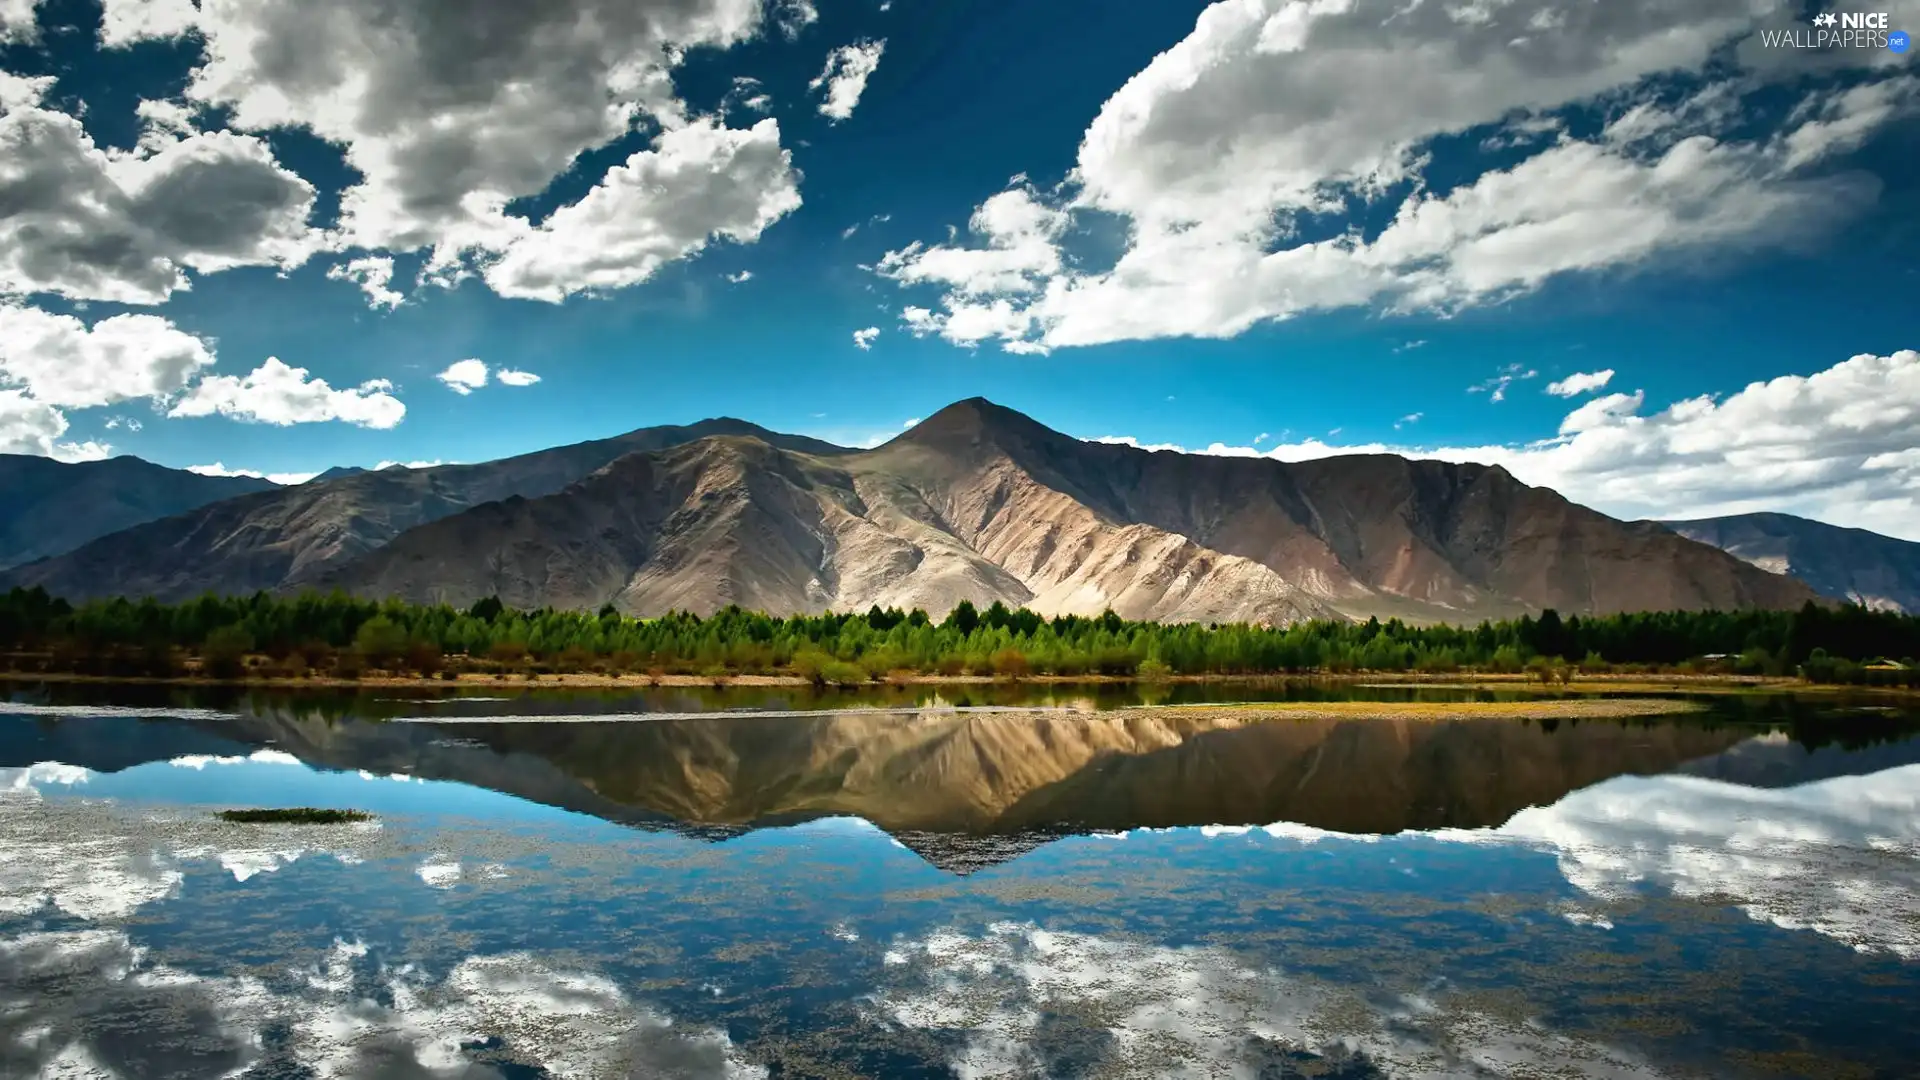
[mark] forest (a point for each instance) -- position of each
(340, 636)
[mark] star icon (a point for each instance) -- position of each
(1825, 18)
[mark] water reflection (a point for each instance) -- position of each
(1159, 897)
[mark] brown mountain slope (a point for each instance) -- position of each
(287, 536)
(50, 507)
(1846, 564)
(981, 503)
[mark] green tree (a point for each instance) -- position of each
(382, 641)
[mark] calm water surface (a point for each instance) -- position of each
(1070, 893)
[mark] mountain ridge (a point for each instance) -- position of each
(978, 502)
(981, 503)
(1854, 565)
(50, 507)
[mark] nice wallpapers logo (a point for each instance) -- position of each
(1842, 30)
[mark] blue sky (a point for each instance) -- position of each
(1277, 227)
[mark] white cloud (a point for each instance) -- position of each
(911, 423)
(741, 277)
(1272, 113)
(126, 226)
(1410, 418)
(288, 479)
(450, 114)
(464, 376)
(412, 464)
(863, 339)
(126, 22)
(845, 77)
(61, 361)
(793, 16)
(18, 20)
(374, 275)
(31, 427)
(1836, 446)
(699, 182)
(1496, 387)
(1580, 382)
(275, 393)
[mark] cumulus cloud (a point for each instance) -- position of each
(463, 377)
(1836, 446)
(845, 77)
(61, 361)
(863, 339)
(698, 183)
(1223, 153)
(33, 427)
(18, 20)
(740, 277)
(450, 114)
(793, 16)
(276, 393)
(374, 275)
(1580, 382)
(126, 226)
(127, 22)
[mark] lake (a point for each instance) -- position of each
(919, 883)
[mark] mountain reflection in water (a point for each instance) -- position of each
(1085, 895)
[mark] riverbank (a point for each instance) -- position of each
(1544, 709)
(1511, 683)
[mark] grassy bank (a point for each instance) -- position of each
(264, 677)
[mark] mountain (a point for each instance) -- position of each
(285, 537)
(51, 507)
(981, 503)
(1845, 564)
(337, 472)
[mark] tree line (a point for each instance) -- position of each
(336, 634)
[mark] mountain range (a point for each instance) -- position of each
(978, 502)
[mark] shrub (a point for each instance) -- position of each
(349, 665)
(1012, 663)
(424, 657)
(841, 673)
(1152, 670)
(381, 641)
(224, 655)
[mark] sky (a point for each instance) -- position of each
(1657, 254)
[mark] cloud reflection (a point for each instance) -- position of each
(91, 1003)
(1028, 1001)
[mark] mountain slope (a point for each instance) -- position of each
(288, 536)
(50, 507)
(1846, 564)
(981, 503)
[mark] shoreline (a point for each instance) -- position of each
(1623, 683)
